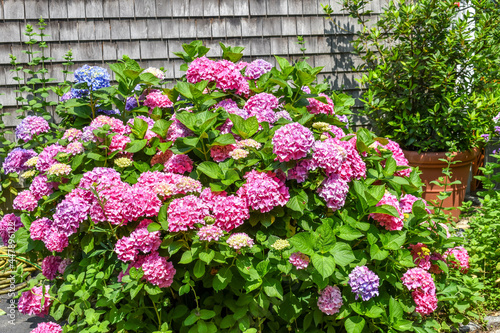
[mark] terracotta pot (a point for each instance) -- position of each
(432, 167)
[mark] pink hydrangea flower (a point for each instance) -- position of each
(353, 166)
(47, 157)
(263, 191)
(257, 68)
(421, 255)
(126, 250)
(144, 240)
(388, 221)
(239, 240)
(9, 224)
(185, 212)
(201, 69)
(262, 106)
(398, 155)
(292, 142)
(54, 240)
(328, 155)
(119, 142)
(334, 191)
(210, 233)
(458, 258)
(300, 171)
(49, 327)
(30, 302)
(30, 126)
(418, 279)
(299, 260)
(316, 106)
(177, 130)
(426, 303)
(157, 270)
(248, 143)
(179, 164)
(157, 99)
(229, 212)
(221, 153)
(330, 300)
(116, 125)
(39, 228)
(69, 214)
(406, 203)
(231, 107)
(74, 148)
(209, 197)
(72, 134)
(25, 201)
(228, 77)
(50, 266)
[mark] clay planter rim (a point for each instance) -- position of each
(431, 159)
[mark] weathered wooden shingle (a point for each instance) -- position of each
(154, 29)
(94, 9)
(163, 8)
(257, 7)
(218, 28)
(277, 7)
(138, 29)
(196, 8)
(86, 30)
(153, 49)
(260, 47)
(145, 8)
(289, 26)
(187, 28)
(68, 30)
(295, 7)
(35, 9)
(111, 9)
(251, 27)
(279, 46)
(203, 28)
(170, 28)
(180, 9)
(102, 30)
(226, 7)
(120, 29)
(13, 10)
(76, 9)
(126, 9)
(311, 7)
(271, 26)
(211, 8)
(58, 9)
(10, 32)
(109, 51)
(233, 27)
(241, 8)
(130, 49)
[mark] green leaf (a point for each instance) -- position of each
(325, 265)
(87, 243)
(96, 157)
(403, 325)
(385, 209)
(354, 324)
(207, 256)
(303, 242)
(199, 269)
(349, 233)
(393, 241)
(273, 288)
(135, 146)
(395, 310)
(152, 227)
(161, 127)
(298, 202)
(284, 64)
(377, 254)
(206, 314)
(224, 139)
(211, 169)
(342, 253)
(222, 278)
(186, 258)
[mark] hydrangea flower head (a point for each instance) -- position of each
(49, 327)
(300, 171)
(458, 258)
(262, 106)
(280, 244)
(292, 142)
(156, 72)
(126, 250)
(39, 228)
(257, 68)
(263, 191)
(25, 201)
(59, 169)
(50, 266)
(334, 191)
(48, 157)
(316, 106)
(426, 303)
(55, 240)
(221, 153)
(74, 148)
(185, 212)
(364, 283)
(388, 221)
(418, 279)
(328, 155)
(248, 143)
(299, 260)
(16, 160)
(179, 164)
(229, 212)
(157, 270)
(9, 224)
(157, 99)
(238, 153)
(30, 126)
(72, 134)
(95, 77)
(41, 187)
(210, 233)
(239, 240)
(421, 255)
(123, 162)
(30, 302)
(201, 69)
(330, 300)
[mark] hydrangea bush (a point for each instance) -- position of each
(239, 201)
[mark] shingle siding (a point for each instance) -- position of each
(100, 31)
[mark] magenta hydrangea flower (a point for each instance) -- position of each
(177, 130)
(426, 303)
(421, 255)
(418, 279)
(47, 157)
(262, 106)
(221, 153)
(185, 212)
(406, 203)
(334, 191)
(239, 240)
(201, 69)
(157, 99)
(39, 228)
(210, 233)
(316, 106)
(30, 302)
(49, 327)
(228, 77)
(74, 148)
(9, 224)
(300, 171)
(54, 240)
(157, 270)
(69, 214)
(330, 300)
(63, 265)
(116, 125)
(398, 155)
(144, 240)
(353, 166)
(179, 164)
(231, 107)
(15, 160)
(229, 212)
(41, 187)
(299, 260)
(257, 68)
(126, 250)
(364, 283)
(25, 201)
(388, 221)
(30, 126)
(458, 258)
(263, 191)
(50, 266)
(292, 142)
(328, 155)
(119, 142)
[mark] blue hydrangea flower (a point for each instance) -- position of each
(364, 283)
(131, 103)
(108, 112)
(94, 76)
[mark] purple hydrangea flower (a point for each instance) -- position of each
(14, 162)
(364, 283)
(31, 125)
(131, 103)
(257, 68)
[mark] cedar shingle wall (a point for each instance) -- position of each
(101, 31)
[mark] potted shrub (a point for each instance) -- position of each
(429, 83)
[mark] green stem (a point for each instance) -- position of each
(157, 314)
